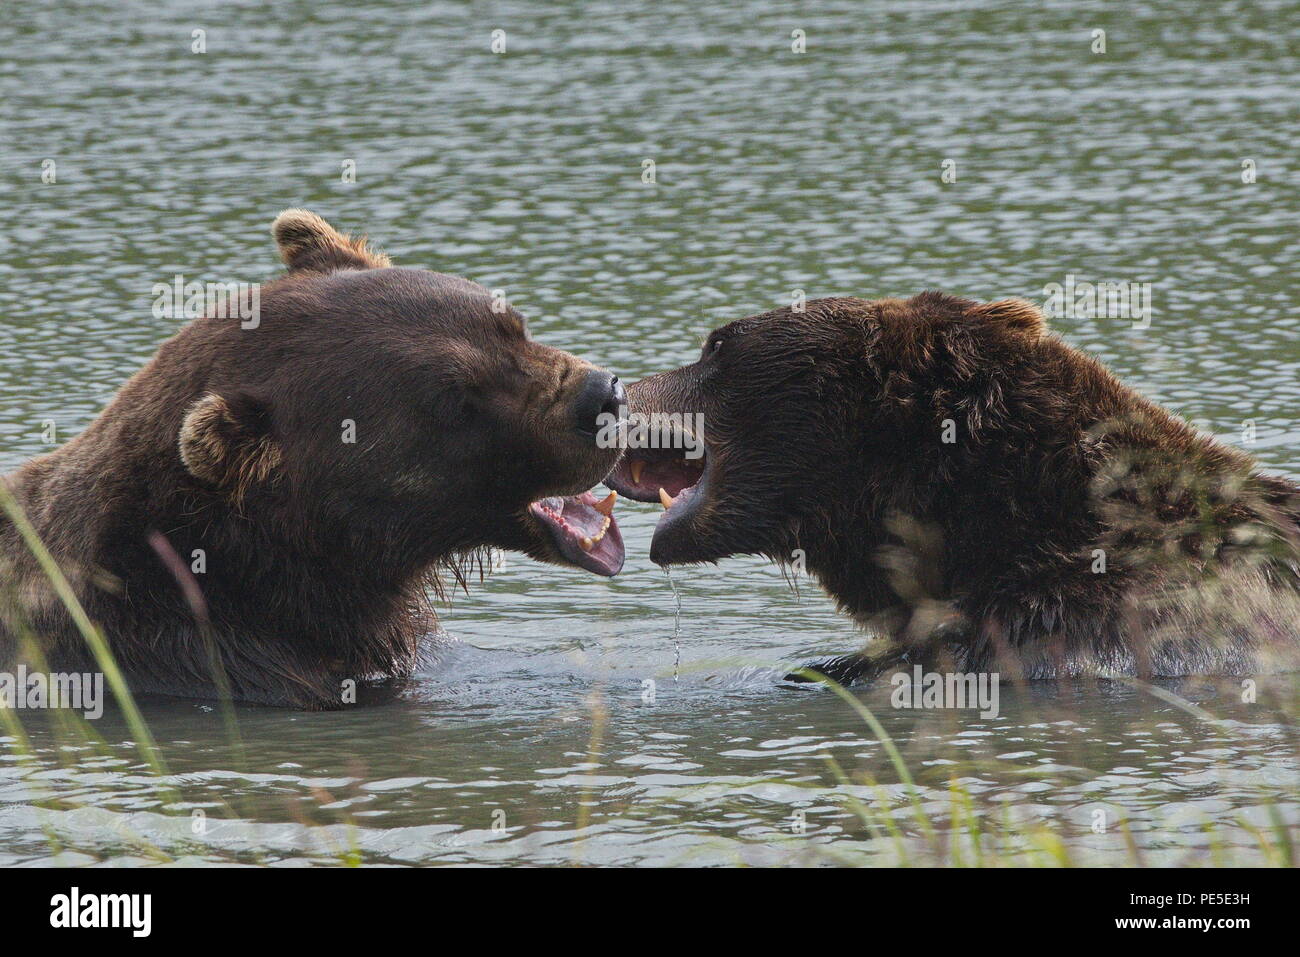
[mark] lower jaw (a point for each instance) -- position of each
(595, 548)
(673, 537)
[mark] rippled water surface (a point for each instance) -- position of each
(534, 736)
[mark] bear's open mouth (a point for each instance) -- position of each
(665, 476)
(584, 530)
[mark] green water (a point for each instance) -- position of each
(775, 171)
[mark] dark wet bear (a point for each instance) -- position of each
(264, 504)
(975, 491)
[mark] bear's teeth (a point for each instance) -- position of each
(666, 499)
(637, 469)
(606, 507)
(589, 543)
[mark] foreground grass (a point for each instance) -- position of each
(893, 822)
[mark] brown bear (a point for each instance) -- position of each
(974, 490)
(262, 508)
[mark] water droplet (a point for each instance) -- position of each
(677, 625)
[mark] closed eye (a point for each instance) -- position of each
(462, 403)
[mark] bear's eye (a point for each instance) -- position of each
(711, 347)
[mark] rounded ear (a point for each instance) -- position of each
(1017, 314)
(226, 443)
(308, 242)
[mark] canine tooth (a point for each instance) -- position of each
(606, 507)
(586, 543)
(666, 499)
(637, 468)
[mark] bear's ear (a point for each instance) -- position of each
(308, 242)
(227, 443)
(1019, 315)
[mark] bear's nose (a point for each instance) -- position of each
(601, 395)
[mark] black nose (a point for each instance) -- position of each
(601, 401)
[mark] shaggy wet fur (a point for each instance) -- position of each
(226, 453)
(1068, 527)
